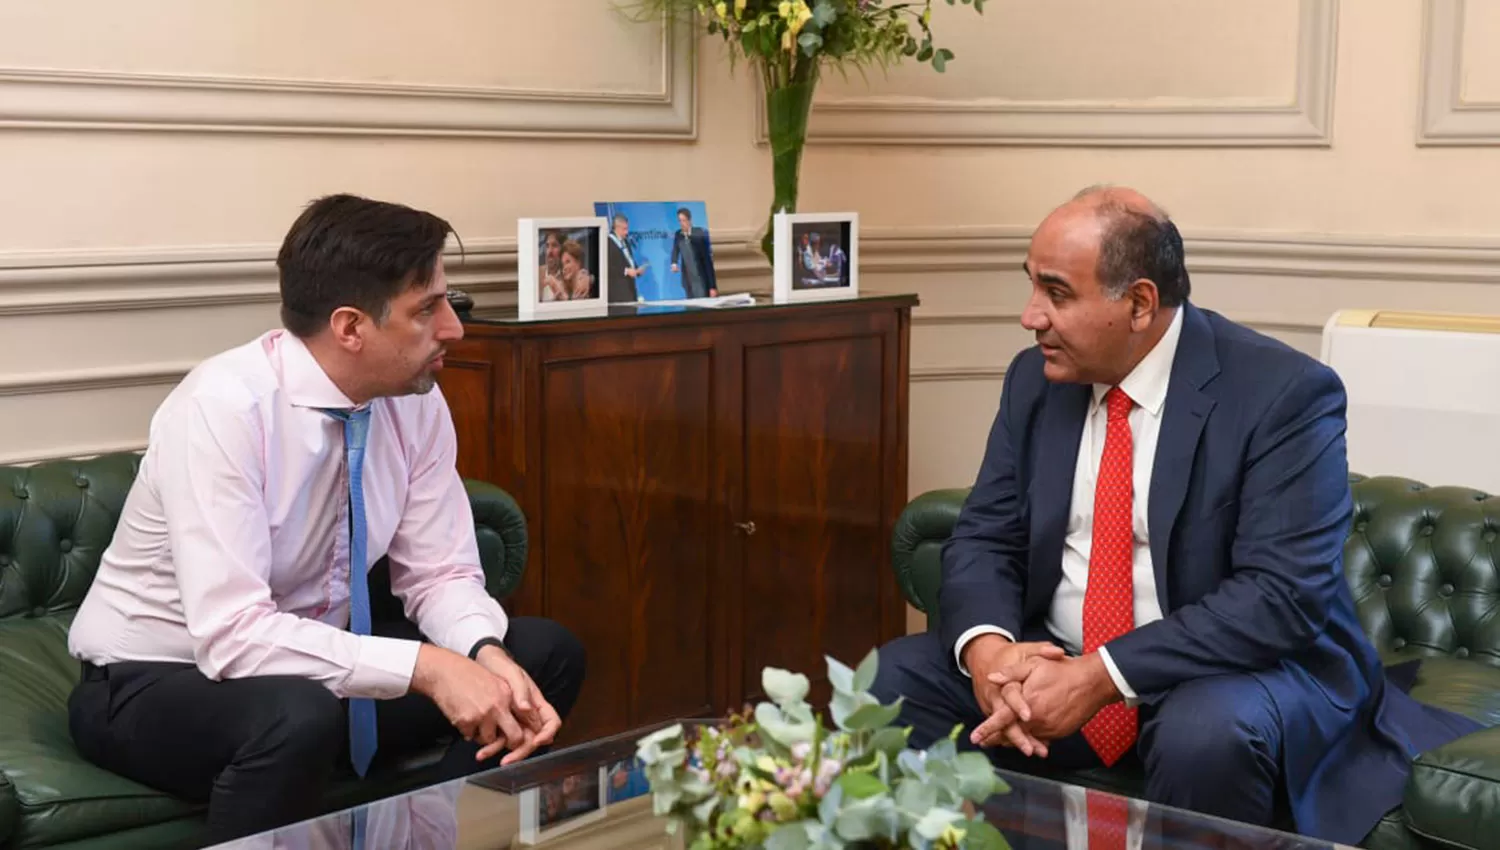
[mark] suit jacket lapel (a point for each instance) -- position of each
(1058, 430)
(1183, 416)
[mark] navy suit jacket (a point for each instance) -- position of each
(1249, 509)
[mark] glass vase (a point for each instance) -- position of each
(787, 110)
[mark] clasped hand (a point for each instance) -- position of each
(1033, 693)
(490, 700)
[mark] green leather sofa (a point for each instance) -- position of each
(1424, 565)
(56, 519)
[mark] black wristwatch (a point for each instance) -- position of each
(484, 642)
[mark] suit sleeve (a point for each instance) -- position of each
(708, 261)
(984, 560)
(1285, 577)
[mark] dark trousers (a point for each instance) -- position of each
(260, 751)
(1212, 745)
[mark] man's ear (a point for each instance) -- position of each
(1145, 300)
(345, 325)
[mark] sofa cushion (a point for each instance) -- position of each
(10, 809)
(1459, 685)
(60, 796)
(1453, 795)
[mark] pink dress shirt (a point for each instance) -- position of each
(232, 548)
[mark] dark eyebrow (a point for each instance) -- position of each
(1048, 278)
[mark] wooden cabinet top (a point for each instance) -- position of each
(505, 321)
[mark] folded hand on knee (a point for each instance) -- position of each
(491, 701)
(1059, 695)
(1008, 713)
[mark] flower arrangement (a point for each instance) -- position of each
(790, 40)
(780, 780)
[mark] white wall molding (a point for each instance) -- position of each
(98, 378)
(1305, 121)
(60, 282)
(924, 374)
(108, 100)
(1444, 116)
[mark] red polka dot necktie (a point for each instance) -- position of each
(1109, 598)
(1109, 821)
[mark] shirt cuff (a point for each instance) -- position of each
(471, 629)
(383, 669)
(976, 631)
(1131, 700)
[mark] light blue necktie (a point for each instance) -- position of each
(362, 738)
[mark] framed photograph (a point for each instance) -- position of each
(561, 806)
(560, 264)
(817, 256)
(658, 251)
(626, 780)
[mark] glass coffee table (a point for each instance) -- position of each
(593, 796)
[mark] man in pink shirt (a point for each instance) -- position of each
(227, 645)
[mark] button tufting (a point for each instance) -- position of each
(65, 545)
(1488, 536)
(1398, 643)
(1445, 590)
(1360, 526)
(4, 560)
(39, 611)
(1461, 652)
(81, 482)
(1384, 580)
(1427, 530)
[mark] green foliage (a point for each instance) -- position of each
(790, 39)
(781, 780)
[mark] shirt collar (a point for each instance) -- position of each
(302, 380)
(1147, 382)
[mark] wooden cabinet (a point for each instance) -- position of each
(708, 491)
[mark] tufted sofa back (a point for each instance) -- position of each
(57, 518)
(1424, 566)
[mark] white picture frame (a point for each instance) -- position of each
(537, 295)
(557, 808)
(822, 232)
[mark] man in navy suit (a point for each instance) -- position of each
(1149, 567)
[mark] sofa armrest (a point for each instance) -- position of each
(500, 527)
(916, 546)
(1453, 793)
(10, 809)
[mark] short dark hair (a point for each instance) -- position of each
(349, 251)
(1135, 245)
(684, 211)
(619, 217)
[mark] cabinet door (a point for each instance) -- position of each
(823, 402)
(625, 477)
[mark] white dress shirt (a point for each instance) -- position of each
(426, 819)
(232, 549)
(1147, 387)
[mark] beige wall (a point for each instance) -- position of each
(1317, 154)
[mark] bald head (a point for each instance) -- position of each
(1136, 239)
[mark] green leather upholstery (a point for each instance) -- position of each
(56, 519)
(1423, 564)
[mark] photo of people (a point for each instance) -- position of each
(569, 269)
(821, 254)
(553, 808)
(626, 780)
(658, 251)
(816, 257)
(560, 264)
